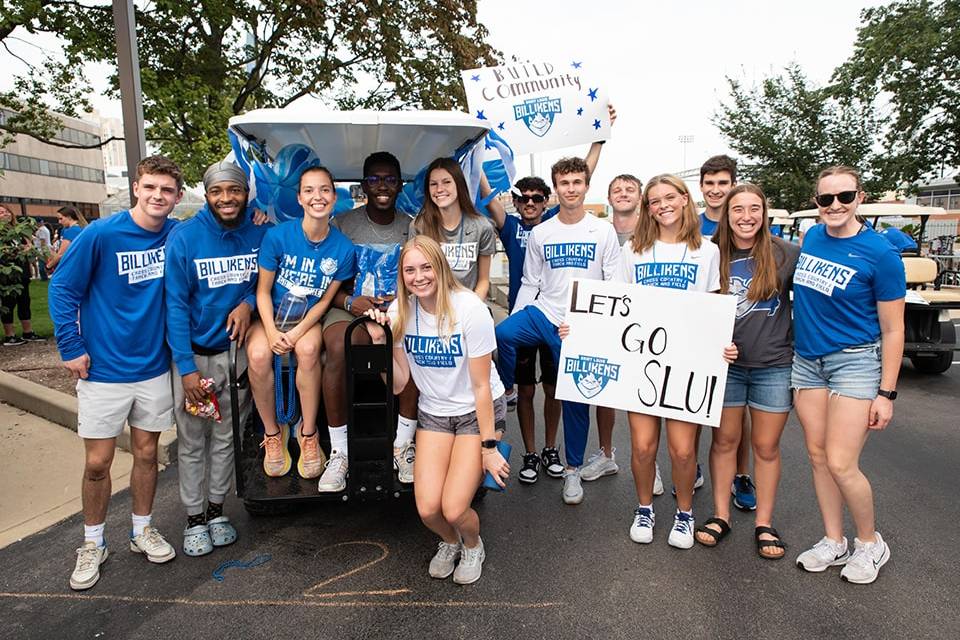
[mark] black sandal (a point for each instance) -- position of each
(768, 544)
(716, 535)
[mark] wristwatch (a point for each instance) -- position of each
(889, 395)
(489, 444)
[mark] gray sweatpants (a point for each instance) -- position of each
(205, 447)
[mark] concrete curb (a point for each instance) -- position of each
(60, 408)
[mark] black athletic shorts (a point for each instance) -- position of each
(527, 365)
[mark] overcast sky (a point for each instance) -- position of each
(665, 64)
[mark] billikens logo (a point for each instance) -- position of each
(668, 275)
(591, 374)
(226, 270)
(432, 351)
(822, 275)
(741, 276)
(140, 266)
(577, 255)
(537, 114)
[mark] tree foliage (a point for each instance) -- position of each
(908, 53)
(786, 130)
(203, 62)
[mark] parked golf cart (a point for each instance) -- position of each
(930, 335)
(340, 141)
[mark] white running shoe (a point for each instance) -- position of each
(599, 465)
(572, 487)
(153, 545)
(511, 398)
(403, 459)
(864, 565)
(87, 570)
(642, 528)
(657, 481)
(334, 477)
(471, 564)
(444, 560)
(681, 536)
(825, 553)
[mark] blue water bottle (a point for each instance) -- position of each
(504, 448)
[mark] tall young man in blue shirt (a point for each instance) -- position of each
(106, 302)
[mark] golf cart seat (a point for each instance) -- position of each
(921, 273)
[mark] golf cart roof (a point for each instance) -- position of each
(343, 139)
(881, 210)
(778, 213)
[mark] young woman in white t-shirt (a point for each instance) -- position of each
(444, 340)
(667, 250)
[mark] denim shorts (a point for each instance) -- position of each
(853, 372)
(764, 388)
(465, 425)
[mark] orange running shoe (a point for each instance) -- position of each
(276, 457)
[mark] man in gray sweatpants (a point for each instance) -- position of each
(210, 282)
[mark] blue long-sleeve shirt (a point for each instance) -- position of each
(210, 270)
(106, 300)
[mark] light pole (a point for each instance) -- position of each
(128, 75)
(684, 141)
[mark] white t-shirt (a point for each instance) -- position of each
(440, 369)
(557, 252)
(673, 266)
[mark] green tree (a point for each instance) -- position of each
(907, 56)
(203, 62)
(785, 131)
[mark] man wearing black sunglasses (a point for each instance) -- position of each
(375, 226)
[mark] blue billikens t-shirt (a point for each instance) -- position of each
(296, 261)
(513, 235)
(836, 287)
(707, 226)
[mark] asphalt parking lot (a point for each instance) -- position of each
(552, 571)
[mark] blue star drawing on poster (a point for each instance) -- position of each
(596, 124)
(480, 116)
(537, 114)
(592, 93)
(475, 78)
(580, 111)
(576, 65)
(501, 126)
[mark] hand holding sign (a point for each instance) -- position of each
(655, 351)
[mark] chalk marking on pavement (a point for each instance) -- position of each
(341, 594)
(279, 603)
(384, 553)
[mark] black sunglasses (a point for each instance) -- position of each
(522, 199)
(845, 197)
(390, 181)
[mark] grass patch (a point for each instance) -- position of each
(38, 308)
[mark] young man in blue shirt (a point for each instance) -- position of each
(210, 277)
(717, 176)
(107, 304)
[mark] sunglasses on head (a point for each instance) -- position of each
(845, 197)
(522, 199)
(373, 181)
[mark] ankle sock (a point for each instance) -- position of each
(338, 438)
(406, 430)
(214, 510)
(646, 506)
(196, 520)
(94, 533)
(140, 522)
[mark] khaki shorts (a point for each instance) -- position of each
(104, 407)
(466, 424)
(333, 316)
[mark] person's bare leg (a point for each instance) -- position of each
(681, 437)
(525, 416)
(260, 371)
(408, 400)
(309, 373)
(847, 433)
(143, 477)
(605, 419)
(463, 477)
(811, 405)
(767, 429)
(552, 409)
(429, 476)
(644, 440)
(743, 449)
(723, 465)
(96, 484)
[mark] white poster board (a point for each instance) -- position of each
(539, 106)
(646, 349)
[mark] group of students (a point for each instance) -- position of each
(137, 290)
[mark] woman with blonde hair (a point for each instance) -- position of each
(444, 340)
(849, 290)
(758, 269)
(668, 251)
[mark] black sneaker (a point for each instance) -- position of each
(551, 462)
(13, 341)
(530, 471)
(30, 336)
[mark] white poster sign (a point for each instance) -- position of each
(539, 106)
(646, 349)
